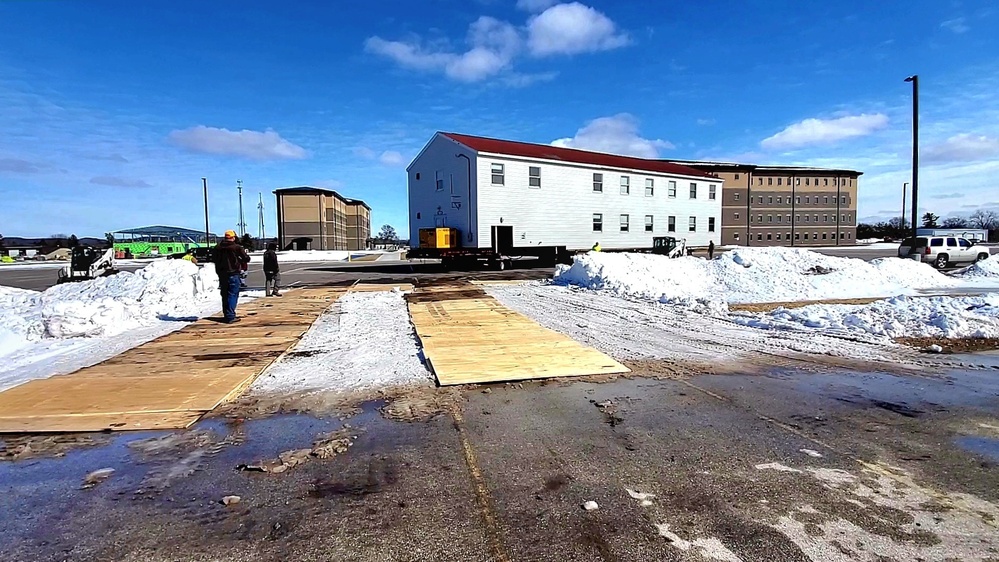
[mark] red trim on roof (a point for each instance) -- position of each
(548, 152)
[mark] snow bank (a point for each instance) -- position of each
(163, 290)
(985, 269)
(748, 275)
(947, 317)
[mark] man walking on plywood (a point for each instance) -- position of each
(229, 260)
(272, 272)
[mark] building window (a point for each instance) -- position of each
(778, 235)
(816, 218)
(824, 236)
(847, 235)
(712, 191)
(825, 181)
(806, 181)
(797, 218)
(825, 218)
(779, 199)
(789, 218)
(826, 200)
(843, 200)
(759, 237)
(779, 218)
(808, 200)
(711, 224)
(598, 222)
(815, 236)
(598, 182)
(797, 236)
(735, 216)
(671, 224)
(497, 174)
(693, 191)
(770, 218)
(648, 223)
(736, 236)
(797, 181)
(780, 181)
(842, 218)
(759, 218)
(750, 218)
(807, 218)
(770, 236)
(770, 181)
(770, 200)
(761, 181)
(625, 185)
(692, 224)
(649, 187)
(737, 176)
(439, 180)
(624, 223)
(841, 235)
(534, 176)
(735, 196)
(797, 200)
(671, 190)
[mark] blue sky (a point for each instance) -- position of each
(113, 111)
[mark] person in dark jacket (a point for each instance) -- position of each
(229, 260)
(272, 272)
(711, 249)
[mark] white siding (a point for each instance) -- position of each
(560, 212)
(450, 206)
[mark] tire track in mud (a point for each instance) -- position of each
(638, 330)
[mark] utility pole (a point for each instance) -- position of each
(905, 189)
(915, 150)
(242, 219)
(204, 183)
(261, 232)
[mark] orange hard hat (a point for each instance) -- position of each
(230, 234)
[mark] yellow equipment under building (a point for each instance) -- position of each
(439, 238)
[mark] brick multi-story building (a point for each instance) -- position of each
(321, 219)
(785, 205)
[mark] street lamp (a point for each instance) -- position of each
(905, 189)
(204, 183)
(915, 149)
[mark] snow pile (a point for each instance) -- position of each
(163, 290)
(748, 275)
(365, 341)
(985, 269)
(945, 317)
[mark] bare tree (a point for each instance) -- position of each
(955, 222)
(986, 220)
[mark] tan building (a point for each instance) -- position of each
(785, 205)
(321, 219)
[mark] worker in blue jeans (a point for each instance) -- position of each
(229, 259)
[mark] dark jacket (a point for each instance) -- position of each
(229, 258)
(270, 262)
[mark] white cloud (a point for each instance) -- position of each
(391, 158)
(255, 145)
(567, 29)
(617, 134)
(115, 181)
(962, 148)
(957, 25)
(535, 6)
(706, 122)
(825, 131)
(493, 45)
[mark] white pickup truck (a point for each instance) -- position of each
(943, 251)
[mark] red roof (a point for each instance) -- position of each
(548, 152)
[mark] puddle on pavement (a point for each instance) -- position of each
(909, 396)
(984, 446)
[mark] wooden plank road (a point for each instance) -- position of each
(171, 381)
(469, 337)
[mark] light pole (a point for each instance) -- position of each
(915, 149)
(905, 189)
(204, 183)
(468, 203)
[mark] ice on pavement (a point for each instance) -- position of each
(749, 275)
(364, 341)
(82, 319)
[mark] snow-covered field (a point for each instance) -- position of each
(364, 341)
(70, 326)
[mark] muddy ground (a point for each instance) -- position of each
(773, 465)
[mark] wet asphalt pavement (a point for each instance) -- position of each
(783, 466)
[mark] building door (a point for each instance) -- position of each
(502, 239)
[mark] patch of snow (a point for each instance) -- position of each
(364, 341)
(832, 476)
(644, 499)
(811, 453)
(748, 275)
(776, 466)
(591, 506)
(710, 548)
(985, 269)
(74, 325)
(902, 316)
(672, 537)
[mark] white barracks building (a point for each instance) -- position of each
(545, 196)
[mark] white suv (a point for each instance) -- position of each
(942, 251)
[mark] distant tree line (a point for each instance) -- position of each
(897, 228)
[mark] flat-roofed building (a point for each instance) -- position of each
(321, 219)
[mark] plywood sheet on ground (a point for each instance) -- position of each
(171, 381)
(469, 337)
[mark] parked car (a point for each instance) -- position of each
(943, 251)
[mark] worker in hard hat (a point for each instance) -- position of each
(189, 256)
(230, 258)
(596, 247)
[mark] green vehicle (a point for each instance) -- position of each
(149, 241)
